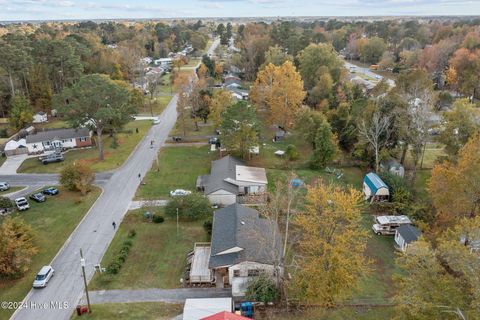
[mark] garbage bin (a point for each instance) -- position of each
(79, 310)
(84, 310)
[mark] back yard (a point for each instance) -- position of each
(51, 224)
(115, 156)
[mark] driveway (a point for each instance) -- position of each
(154, 295)
(11, 165)
(95, 232)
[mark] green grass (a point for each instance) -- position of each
(53, 123)
(179, 169)
(157, 258)
(158, 105)
(51, 224)
(133, 311)
(12, 189)
(432, 152)
(345, 313)
(114, 157)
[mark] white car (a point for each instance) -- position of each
(43, 276)
(22, 204)
(156, 121)
(4, 186)
(180, 192)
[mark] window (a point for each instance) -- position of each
(236, 273)
(83, 139)
(253, 272)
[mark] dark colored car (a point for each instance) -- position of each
(38, 197)
(50, 191)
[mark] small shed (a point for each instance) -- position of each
(40, 117)
(279, 136)
(404, 235)
(374, 188)
(393, 166)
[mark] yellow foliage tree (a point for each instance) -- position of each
(280, 91)
(221, 99)
(455, 187)
(202, 71)
(331, 258)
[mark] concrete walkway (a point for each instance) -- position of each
(154, 295)
(147, 203)
(11, 165)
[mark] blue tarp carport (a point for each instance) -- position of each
(374, 188)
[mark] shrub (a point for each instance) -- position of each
(262, 289)
(190, 207)
(77, 177)
(400, 194)
(157, 219)
(114, 267)
(6, 203)
(207, 226)
(132, 233)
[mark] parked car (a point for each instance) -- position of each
(4, 186)
(38, 197)
(213, 140)
(54, 157)
(50, 191)
(156, 121)
(43, 276)
(22, 204)
(180, 192)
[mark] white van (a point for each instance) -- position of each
(43, 276)
(4, 186)
(386, 225)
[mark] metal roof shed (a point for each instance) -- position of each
(374, 188)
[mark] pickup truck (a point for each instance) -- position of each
(53, 157)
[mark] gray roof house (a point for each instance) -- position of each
(243, 245)
(58, 139)
(405, 235)
(229, 178)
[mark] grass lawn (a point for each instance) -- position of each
(52, 225)
(12, 189)
(432, 152)
(204, 129)
(179, 168)
(114, 157)
(157, 258)
(53, 123)
(158, 105)
(133, 311)
(357, 313)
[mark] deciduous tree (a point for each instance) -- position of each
(21, 112)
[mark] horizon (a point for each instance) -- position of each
(73, 10)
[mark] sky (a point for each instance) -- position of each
(120, 9)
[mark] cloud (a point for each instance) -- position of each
(213, 5)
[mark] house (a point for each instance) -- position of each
(392, 166)
(405, 235)
(225, 315)
(196, 309)
(279, 136)
(238, 94)
(374, 188)
(243, 245)
(164, 62)
(40, 117)
(58, 138)
(230, 80)
(13, 147)
(230, 179)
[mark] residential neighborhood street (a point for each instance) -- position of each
(95, 232)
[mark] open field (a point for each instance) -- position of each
(179, 168)
(157, 258)
(12, 189)
(204, 129)
(133, 311)
(158, 105)
(345, 313)
(52, 223)
(114, 157)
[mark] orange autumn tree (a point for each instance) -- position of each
(330, 256)
(455, 187)
(280, 91)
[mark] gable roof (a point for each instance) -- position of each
(225, 315)
(222, 169)
(409, 233)
(241, 227)
(58, 134)
(374, 182)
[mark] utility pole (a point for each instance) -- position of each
(177, 222)
(82, 262)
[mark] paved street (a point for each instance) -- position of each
(368, 73)
(95, 232)
(151, 295)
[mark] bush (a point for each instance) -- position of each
(157, 219)
(77, 177)
(117, 262)
(132, 233)
(208, 226)
(291, 152)
(190, 207)
(6, 203)
(400, 194)
(114, 267)
(262, 289)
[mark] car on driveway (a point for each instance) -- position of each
(50, 191)
(43, 276)
(22, 204)
(53, 157)
(38, 197)
(4, 186)
(180, 192)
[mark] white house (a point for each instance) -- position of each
(59, 138)
(405, 235)
(374, 188)
(164, 62)
(243, 246)
(40, 117)
(229, 179)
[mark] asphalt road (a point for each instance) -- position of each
(368, 73)
(95, 232)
